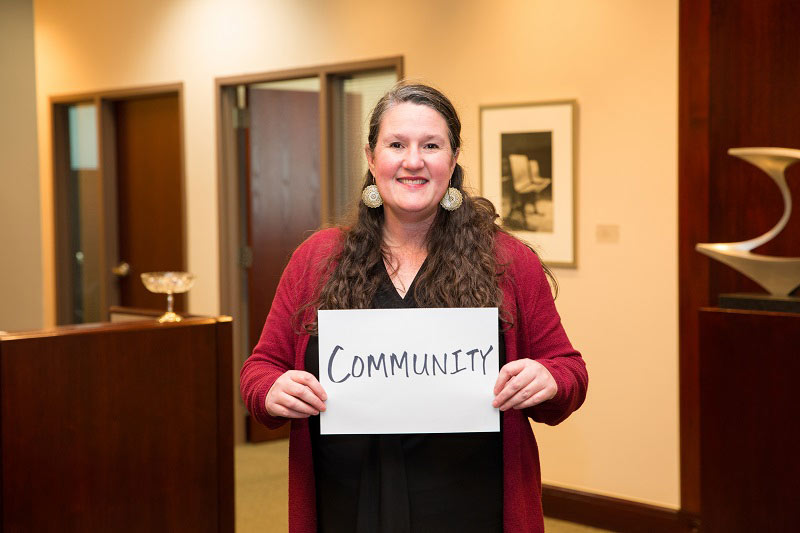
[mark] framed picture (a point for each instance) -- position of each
(528, 172)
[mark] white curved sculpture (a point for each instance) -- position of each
(778, 275)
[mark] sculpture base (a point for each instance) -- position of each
(759, 302)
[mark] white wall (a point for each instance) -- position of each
(20, 233)
(618, 58)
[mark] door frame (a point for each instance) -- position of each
(228, 194)
(106, 166)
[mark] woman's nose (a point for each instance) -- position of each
(413, 159)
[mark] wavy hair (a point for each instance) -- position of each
(461, 269)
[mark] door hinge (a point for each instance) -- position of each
(241, 115)
(241, 96)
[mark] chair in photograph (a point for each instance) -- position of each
(527, 183)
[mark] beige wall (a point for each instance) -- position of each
(618, 58)
(20, 232)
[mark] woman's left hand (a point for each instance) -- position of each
(523, 383)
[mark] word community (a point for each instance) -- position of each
(405, 365)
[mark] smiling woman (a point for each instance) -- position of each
(417, 240)
(412, 162)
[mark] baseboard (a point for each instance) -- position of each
(614, 514)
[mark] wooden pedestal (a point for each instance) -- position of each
(749, 418)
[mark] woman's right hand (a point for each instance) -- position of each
(296, 394)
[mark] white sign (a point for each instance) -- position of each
(409, 370)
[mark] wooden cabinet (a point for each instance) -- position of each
(749, 418)
(118, 427)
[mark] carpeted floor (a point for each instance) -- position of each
(261, 491)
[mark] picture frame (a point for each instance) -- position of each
(528, 173)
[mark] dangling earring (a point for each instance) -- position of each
(452, 199)
(371, 196)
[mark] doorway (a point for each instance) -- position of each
(282, 182)
(118, 183)
(291, 161)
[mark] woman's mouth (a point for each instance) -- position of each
(412, 181)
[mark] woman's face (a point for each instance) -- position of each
(412, 161)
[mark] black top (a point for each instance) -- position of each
(404, 483)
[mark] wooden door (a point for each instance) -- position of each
(283, 205)
(284, 195)
(149, 194)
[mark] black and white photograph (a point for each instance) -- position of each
(527, 162)
(528, 172)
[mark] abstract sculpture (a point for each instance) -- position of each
(778, 275)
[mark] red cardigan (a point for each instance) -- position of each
(537, 334)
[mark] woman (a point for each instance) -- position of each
(418, 240)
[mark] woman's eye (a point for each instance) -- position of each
(431, 146)
(395, 145)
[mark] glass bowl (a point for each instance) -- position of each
(168, 283)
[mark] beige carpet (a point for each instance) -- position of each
(261, 491)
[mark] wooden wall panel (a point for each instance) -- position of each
(693, 190)
(754, 84)
(738, 84)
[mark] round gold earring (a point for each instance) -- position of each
(452, 199)
(371, 196)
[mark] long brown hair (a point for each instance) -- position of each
(461, 269)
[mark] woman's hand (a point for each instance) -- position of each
(296, 394)
(523, 383)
